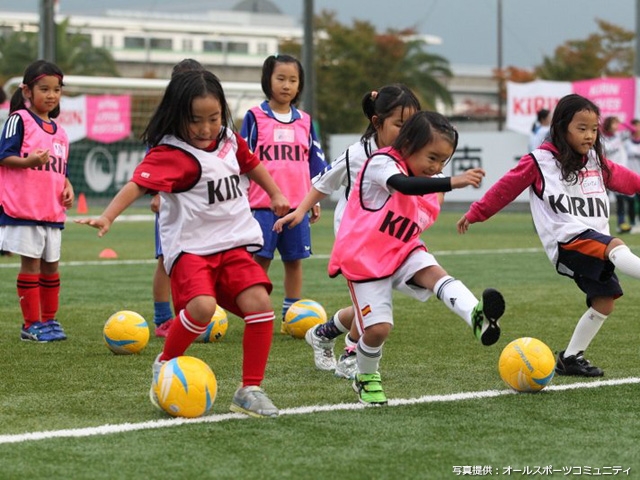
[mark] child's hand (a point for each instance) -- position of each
(68, 196)
(292, 219)
(463, 225)
(471, 177)
(315, 213)
(280, 204)
(155, 203)
(102, 223)
(37, 158)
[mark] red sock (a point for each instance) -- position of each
(182, 332)
(256, 343)
(29, 295)
(49, 295)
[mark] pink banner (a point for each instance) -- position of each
(614, 96)
(108, 117)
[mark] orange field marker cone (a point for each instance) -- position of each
(108, 253)
(82, 208)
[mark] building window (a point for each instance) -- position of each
(107, 41)
(212, 46)
(238, 47)
(187, 45)
(161, 44)
(134, 42)
(263, 48)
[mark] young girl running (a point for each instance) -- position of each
(206, 229)
(568, 179)
(35, 194)
(284, 139)
(378, 246)
(387, 109)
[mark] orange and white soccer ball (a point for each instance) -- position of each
(527, 364)
(126, 332)
(303, 315)
(186, 387)
(216, 329)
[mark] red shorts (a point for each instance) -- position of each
(221, 275)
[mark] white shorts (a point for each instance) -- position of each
(33, 241)
(373, 301)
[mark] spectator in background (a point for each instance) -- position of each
(632, 147)
(539, 129)
(614, 150)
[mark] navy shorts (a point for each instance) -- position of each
(158, 245)
(292, 243)
(583, 258)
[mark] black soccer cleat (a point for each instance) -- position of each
(577, 366)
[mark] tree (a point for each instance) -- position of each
(74, 54)
(351, 61)
(607, 53)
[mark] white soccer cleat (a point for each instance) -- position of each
(322, 350)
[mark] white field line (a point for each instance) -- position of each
(174, 422)
(442, 253)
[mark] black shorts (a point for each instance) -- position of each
(583, 259)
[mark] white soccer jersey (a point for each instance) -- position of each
(633, 154)
(614, 148)
(342, 174)
(213, 216)
(564, 210)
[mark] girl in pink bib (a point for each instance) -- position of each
(35, 194)
(378, 247)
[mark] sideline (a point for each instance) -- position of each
(441, 253)
(217, 418)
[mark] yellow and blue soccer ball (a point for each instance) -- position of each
(303, 315)
(126, 332)
(216, 329)
(186, 387)
(527, 364)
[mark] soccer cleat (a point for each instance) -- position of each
(163, 329)
(252, 401)
(155, 369)
(38, 332)
(485, 317)
(576, 365)
(368, 386)
(624, 228)
(56, 329)
(322, 350)
(283, 328)
(347, 364)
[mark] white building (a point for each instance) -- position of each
(231, 43)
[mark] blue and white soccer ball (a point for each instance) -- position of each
(303, 315)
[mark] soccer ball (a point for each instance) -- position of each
(303, 315)
(216, 329)
(126, 332)
(186, 387)
(527, 365)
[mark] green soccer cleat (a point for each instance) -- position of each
(368, 386)
(485, 316)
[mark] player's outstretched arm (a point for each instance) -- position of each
(312, 198)
(463, 225)
(125, 197)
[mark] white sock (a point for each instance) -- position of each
(368, 358)
(338, 323)
(585, 331)
(456, 296)
(625, 261)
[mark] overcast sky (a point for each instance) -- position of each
(468, 28)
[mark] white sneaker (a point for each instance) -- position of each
(322, 350)
(347, 364)
(635, 229)
(155, 369)
(254, 402)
